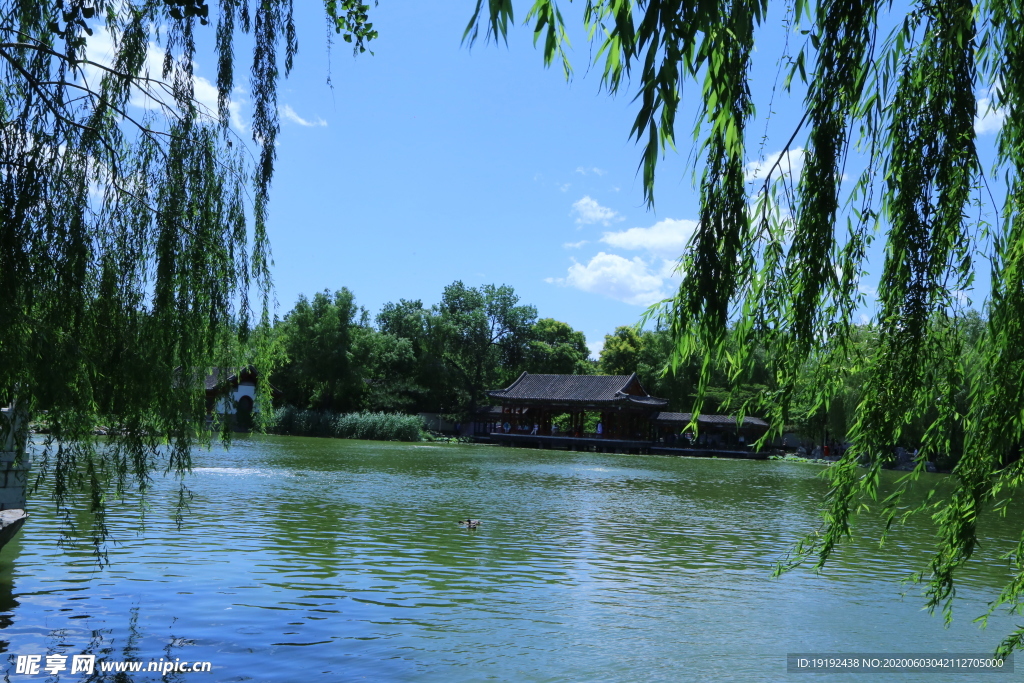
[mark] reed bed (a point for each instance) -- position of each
(365, 425)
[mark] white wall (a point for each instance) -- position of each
(226, 407)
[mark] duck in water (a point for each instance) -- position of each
(469, 523)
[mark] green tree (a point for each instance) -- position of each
(485, 336)
(388, 368)
(621, 352)
(133, 250)
(405, 320)
(649, 353)
(655, 371)
(431, 384)
(557, 349)
(317, 339)
(788, 280)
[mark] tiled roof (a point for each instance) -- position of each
(213, 383)
(211, 379)
(748, 421)
(247, 374)
(487, 410)
(618, 389)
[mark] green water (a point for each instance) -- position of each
(324, 560)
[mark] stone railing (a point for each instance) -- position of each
(13, 474)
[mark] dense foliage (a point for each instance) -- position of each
(133, 250)
(129, 248)
(414, 360)
(363, 425)
(317, 337)
(557, 349)
(650, 354)
(440, 359)
(780, 262)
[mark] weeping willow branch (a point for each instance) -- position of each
(129, 246)
(906, 106)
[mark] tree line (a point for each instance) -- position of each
(649, 354)
(443, 358)
(416, 358)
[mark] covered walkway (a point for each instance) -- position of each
(595, 444)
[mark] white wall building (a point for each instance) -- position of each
(233, 394)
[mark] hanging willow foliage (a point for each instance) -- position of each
(132, 226)
(786, 280)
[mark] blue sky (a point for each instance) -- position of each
(438, 163)
(430, 162)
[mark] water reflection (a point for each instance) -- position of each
(8, 604)
(311, 559)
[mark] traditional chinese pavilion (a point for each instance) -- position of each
(631, 420)
(624, 406)
(714, 431)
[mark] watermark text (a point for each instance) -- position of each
(86, 664)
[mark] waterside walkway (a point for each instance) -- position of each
(602, 445)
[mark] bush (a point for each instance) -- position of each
(370, 426)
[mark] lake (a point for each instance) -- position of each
(326, 560)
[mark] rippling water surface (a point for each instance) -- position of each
(324, 560)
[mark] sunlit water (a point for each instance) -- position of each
(326, 560)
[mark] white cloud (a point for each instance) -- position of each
(593, 169)
(989, 118)
(288, 113)
(206, 93)
(596, 347)
(589, 211)
(637, 281)
(575, 245)
(155, 96)
(565, 187)
(628, 280)
(670, 269)
(790, 163)
(666, 238)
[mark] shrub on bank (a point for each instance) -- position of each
(369, 426)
